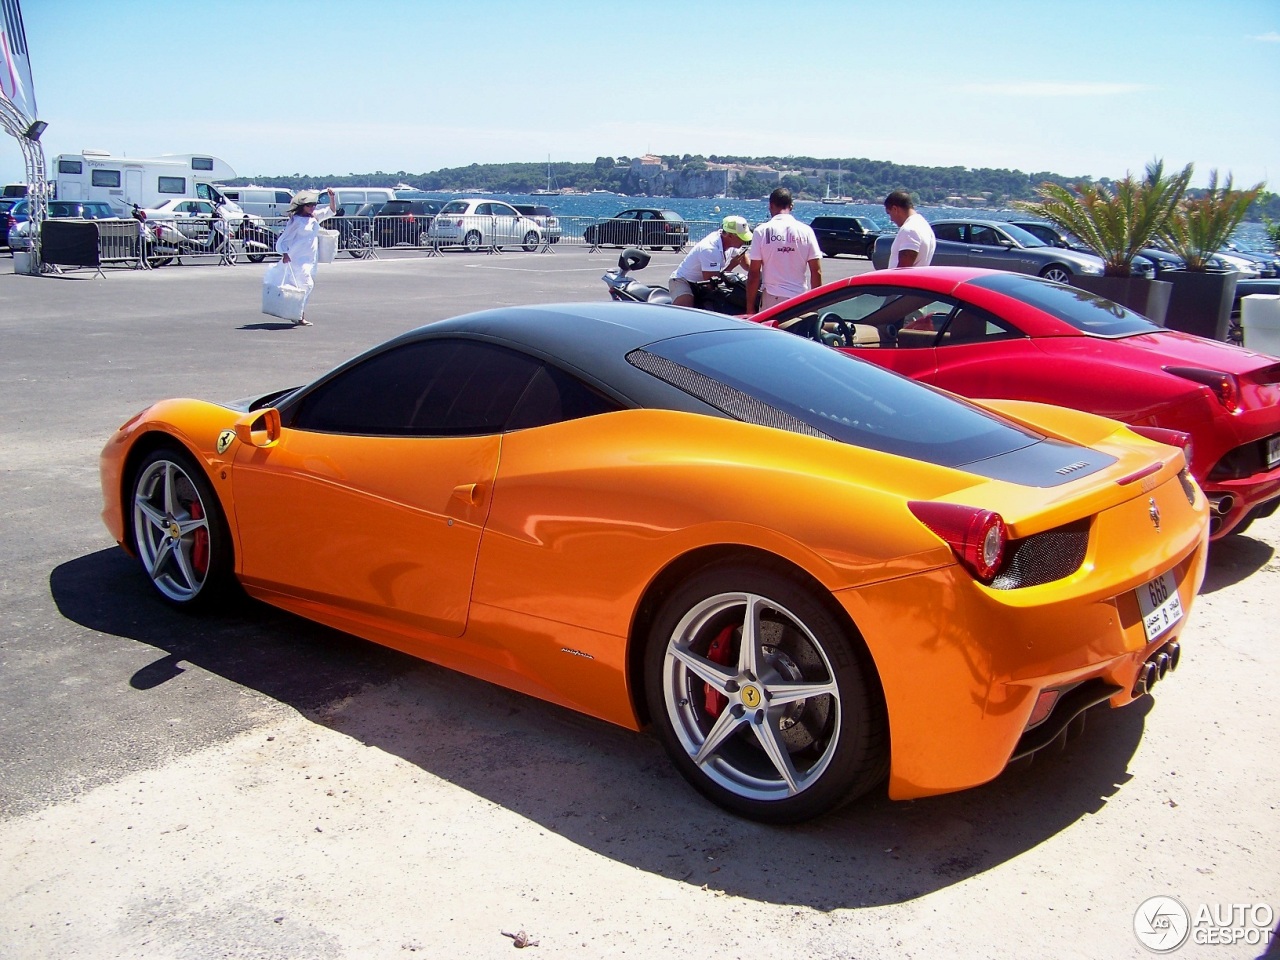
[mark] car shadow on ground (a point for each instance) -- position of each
(606, 789)
(1233, 559)
(270, 325)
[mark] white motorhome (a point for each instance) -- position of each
(145, 181)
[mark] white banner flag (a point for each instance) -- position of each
(15, 66)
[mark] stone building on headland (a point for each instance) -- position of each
(650, 175)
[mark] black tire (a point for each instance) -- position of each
(178, 529)
(1057, 273)
(159, 261)
(472, 241)
(833, 743)
(257, 257)
(530, 241)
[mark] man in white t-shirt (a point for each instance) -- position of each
(782, 249)
(709, 256)
(914, 243)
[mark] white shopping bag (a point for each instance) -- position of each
(327, 249)
(282, 295)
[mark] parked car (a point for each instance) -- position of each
(852, 235)
(19, 237)
(6, 220)
(191, 216)
(544, 217)
(807, 573)
(990, 334)
(640, 228)
(405, 221)
(1149, 262)
(355, 228)
(1001, 246)
(476, 222)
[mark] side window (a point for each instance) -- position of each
(553, 396)
(484, 209)
(283, 196)
(105, 178)
(948, 231)
(971, 325)
(70, 166)
(984, 235)
(881, 316)
(427, 388)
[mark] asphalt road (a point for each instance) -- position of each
(248, 784)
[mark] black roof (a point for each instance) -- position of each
(591, 340)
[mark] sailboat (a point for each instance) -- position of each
(837, 198)
(547, 192)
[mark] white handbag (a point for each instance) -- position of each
(327, 248)
(282, 295)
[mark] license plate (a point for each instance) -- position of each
(1273, 451)
(1160, 605)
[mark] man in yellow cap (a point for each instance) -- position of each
(709, 256)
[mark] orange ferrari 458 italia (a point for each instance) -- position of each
(807, 573)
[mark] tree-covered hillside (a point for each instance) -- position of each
(687, 175)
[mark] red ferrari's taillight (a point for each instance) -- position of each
(1174, 438)
(1224, 385)
(977, 537)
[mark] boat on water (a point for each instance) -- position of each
(548, 192)
(838, 198)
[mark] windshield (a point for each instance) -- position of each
(1086, 312)
(1024, 237)
(844, 398)
(455, 206)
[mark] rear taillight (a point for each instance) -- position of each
(407, 218)
(977, 537)
(1224, 385)
(1174, 438)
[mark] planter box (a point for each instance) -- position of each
(1201, 302)
(24, 262)
(1147, 297)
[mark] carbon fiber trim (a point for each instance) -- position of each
(1044, 557)
(735, 403)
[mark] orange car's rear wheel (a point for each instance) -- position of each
(761, 698)
(179, 532)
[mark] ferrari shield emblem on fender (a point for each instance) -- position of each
(224, 440)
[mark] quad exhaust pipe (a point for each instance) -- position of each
(1221, 504)
(1157, 667)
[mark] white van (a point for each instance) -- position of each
(259, 201)
(352, 199)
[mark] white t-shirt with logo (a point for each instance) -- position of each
(914, 234)
(783, 247)
(707, 255)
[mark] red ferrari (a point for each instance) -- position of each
(991, 334)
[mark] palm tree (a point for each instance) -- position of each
(1118, 223)
(1202, 225)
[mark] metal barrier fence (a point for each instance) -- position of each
(160, 242)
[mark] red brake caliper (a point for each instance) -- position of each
(718, 652)
(200, 547)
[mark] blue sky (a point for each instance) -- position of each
(289, 86)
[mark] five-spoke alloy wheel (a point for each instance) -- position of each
(762, 698)
(179, 532)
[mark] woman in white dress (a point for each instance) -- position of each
(298, 244)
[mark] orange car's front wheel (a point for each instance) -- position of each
(179, 532)
(761, 697)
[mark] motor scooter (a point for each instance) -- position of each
(724, 293)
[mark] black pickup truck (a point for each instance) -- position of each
(837, 235)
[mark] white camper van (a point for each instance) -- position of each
(145, 181)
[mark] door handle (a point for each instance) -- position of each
(469, 493)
